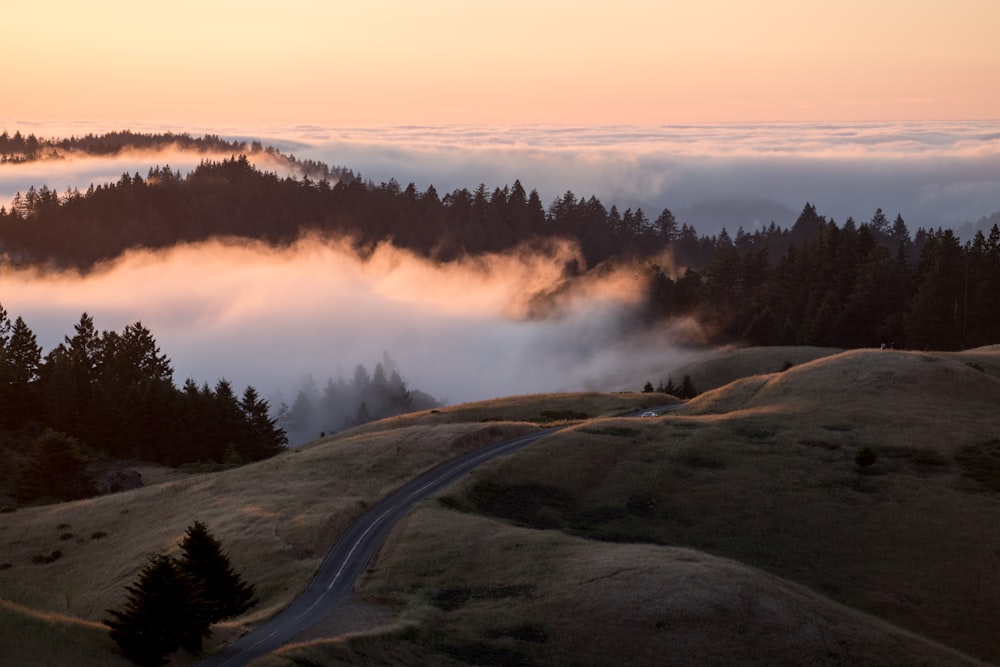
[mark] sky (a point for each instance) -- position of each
(589, 62)
(729, 112)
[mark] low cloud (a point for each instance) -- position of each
(496, 325)
(266, 317)
(922, 170)
(932, 173)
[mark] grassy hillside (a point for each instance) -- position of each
(276, 518)
(581, 545)
(738, 529)
(513, 595)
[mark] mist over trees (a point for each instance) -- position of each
(337, 405)
(18, 148)
(111, 394)
(818, 282)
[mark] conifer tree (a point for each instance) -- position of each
(687, 389)
(220, 592)
(158, 618)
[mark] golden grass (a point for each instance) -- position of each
(543, 409)
(275, 518)
(28, 637)
(763, 472)
(725, 365)
(888, 395)
(542, 597)
(759, 473)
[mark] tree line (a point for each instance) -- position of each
(113, 393)
(18, 148)
(844, 285)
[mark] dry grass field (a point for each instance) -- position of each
(68, 563)
(738, 529)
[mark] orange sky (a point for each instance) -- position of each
(375, 62)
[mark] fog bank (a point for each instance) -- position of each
(942, 173)
(478, 329)
(933, 173)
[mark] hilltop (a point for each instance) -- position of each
(736, 529)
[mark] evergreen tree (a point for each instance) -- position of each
(936, 317)
(264, 437)
(687, 389)
(20, 360)
(666, 226)
(219, 591)
(159, 616)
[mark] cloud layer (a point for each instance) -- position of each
(472, 330)
(266, 317)
(934, 174)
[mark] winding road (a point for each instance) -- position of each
(349, 557)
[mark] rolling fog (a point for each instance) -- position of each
(479, 329)
(710, 176)
(257, 316)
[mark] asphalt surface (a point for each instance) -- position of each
(334, 581)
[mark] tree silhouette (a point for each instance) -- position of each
(159, 615)
(174, 602)
(218, 590)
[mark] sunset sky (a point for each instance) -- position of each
(850, 105)
(387, 62)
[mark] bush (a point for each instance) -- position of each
(865, 457)
(42, 559)
(55, 468)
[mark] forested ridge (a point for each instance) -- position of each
(102, 394)
(109, 395)
(18, 148)
(820, 282)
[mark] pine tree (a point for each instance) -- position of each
(687, 389)
(158, 618)
(264, 437)
(220, 592)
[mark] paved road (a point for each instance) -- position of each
(334, 581)
(349, 557)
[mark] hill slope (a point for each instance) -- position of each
(738, 528)
(762, 472)
(276, 518)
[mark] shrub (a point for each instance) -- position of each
(55, 468)
(42, 559)
(865, 457)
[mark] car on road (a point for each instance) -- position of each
(650, 414)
